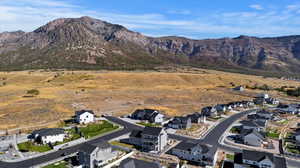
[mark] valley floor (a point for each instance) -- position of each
(54, 96)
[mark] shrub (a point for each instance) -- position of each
(33, 92)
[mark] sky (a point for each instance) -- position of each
(198, 19)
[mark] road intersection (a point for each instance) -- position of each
(212, 138)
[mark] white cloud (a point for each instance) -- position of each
(28, 15)
(256, 7)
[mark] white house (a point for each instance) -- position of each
(85, 116)
(49, 135)
(195, 152)
(263, 95)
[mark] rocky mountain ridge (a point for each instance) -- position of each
(88, 43)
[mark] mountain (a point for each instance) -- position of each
(87, 43)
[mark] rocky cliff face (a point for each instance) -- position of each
(87, 43)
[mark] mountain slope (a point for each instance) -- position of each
(87, 43)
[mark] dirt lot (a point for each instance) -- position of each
(117, 93)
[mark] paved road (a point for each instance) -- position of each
(54, 155)
(212, 138)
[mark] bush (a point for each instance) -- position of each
(293, 92)
(33, 92)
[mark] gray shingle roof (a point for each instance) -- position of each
(187, 146)
(89, 148)
(253, 131)
(49, 131)
(257, 155)
(83, 111)
(135, 163)
(155, 131)
(251, 123)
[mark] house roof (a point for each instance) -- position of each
(187, 146)
(251, 123)
(179, 120)
(152, 131)
(280, 162)
(90, 148)
(135, 163)
(257, 155)
(255, 132)
(103, 145)
(84, 111)
(49, 131)
(135, 133)
(264, 112)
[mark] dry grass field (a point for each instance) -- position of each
(117, 93)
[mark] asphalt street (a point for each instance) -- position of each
(212, 138)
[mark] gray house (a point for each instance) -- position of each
(149, 139)
(221, 108)
(90, 156)
(135, 163)
(265, 114)
(180, 123)
(196, 118)
(239, 88)
(209, 111)
(253, 138)
(197, 153)
(151, 115)
(250, 124)
(257, 159)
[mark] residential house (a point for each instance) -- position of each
(265, 114)
(263, 95)
(196, 118)
(259, 101)
(272, 101)
(257, 159)
(197, 153)
(253, 138)
(151, 115)
(250, 124)
(49, 135)
(247, 104)
(221, 108)
(239, 88)
(90, 156)
(256, 117)
(291, 108)
(209, 111)
(149, 139)
(180, 123)
(85, 116)
(296, 135)
(135, 163)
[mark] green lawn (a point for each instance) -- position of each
(92, 130)
(273, 134)
(235, 130)
(229, 157)
(73, 136)
(292, 148)
(32, 147)
(61, 164)
(149, 124)
(117, 143)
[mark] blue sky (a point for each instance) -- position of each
(190, 18)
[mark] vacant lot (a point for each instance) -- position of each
(33, 98)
